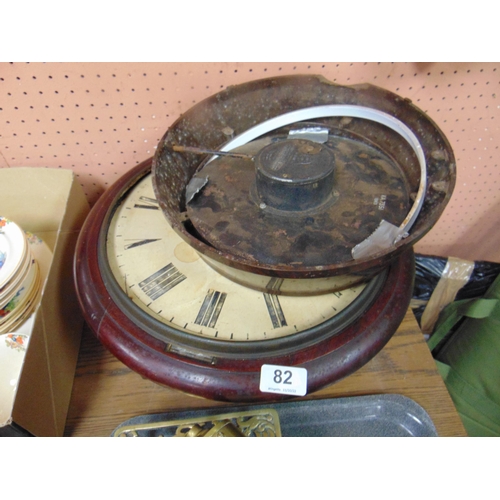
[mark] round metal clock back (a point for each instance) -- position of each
(297, 202)
(318, 169)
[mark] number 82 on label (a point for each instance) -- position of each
(283, 380)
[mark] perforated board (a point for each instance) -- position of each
(101, 119)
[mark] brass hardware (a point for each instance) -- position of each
(258, 423)
(220, 428)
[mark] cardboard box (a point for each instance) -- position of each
(51, 204)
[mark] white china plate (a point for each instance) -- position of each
(13, 345)
(12, 353)
(8, 292)
(43, 257)
(12, 249)
(23, 302)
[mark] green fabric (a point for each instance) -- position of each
(479, 414)
(469, 361)
(471, 308)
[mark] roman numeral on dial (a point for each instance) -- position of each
(161, 281)
(211, 308)
(274, 310)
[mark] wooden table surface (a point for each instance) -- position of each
(106, 393)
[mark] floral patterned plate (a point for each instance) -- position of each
(11, 288)
(14, 343)
(13, 247)
(22, 299)
(42, 256)
(12, 353)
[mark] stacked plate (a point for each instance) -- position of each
(20, 276)
(12, 353)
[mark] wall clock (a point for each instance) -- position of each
(195, 269)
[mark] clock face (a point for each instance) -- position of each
(171, 317)
(168, 280)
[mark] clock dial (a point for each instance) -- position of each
(168, 315)
(167, 279)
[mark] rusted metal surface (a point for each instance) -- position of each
(367, 186)
(294, 175)
(213, 122)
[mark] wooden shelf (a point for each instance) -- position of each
(107, 393)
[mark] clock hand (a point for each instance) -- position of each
(202, 151)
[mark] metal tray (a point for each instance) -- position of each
(386, 415)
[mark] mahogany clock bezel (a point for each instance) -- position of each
(226, 378)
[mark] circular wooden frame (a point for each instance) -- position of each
(232, 378)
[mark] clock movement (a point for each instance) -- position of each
(274, 226)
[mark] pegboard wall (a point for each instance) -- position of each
(101, 119)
